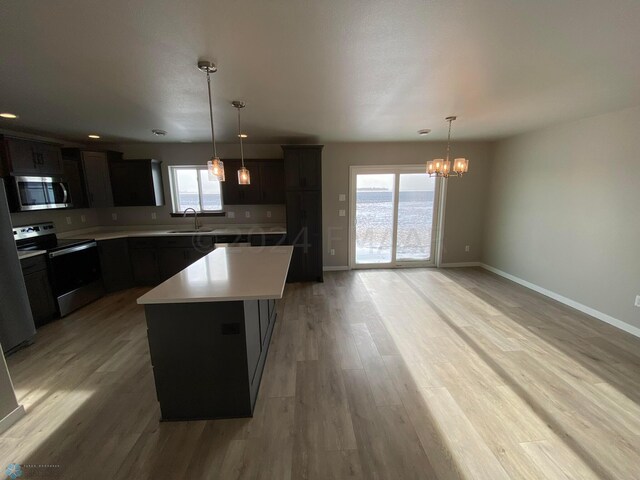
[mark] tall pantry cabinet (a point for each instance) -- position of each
(303, 185)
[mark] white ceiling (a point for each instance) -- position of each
(320, 70)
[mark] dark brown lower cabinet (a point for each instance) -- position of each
(145, 267)
(115, 265)
(36, 279)
(155, 259)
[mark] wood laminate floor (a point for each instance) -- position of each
(387, 374)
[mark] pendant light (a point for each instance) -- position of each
(441, 167)
(215, 166)
(244, 177)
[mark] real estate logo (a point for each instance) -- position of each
(13, 471)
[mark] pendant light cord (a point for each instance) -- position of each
(240, 136)
(449, 139)
(213, 135)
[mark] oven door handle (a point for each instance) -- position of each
(76, 248)
(65, 199)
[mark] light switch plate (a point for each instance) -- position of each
(342, 197)
(83, 218)
(333, 251)
(637, 300)
(231, 214)
(153, 215)
(114, 216)
(342, 212)
(247, 214)
(68, 220)
(268, 213)
(467, 248)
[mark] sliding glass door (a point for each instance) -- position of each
(393, 217)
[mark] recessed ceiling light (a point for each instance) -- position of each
(158, 132)
(243, 135)
(93, 135)
(424, 131)
(8, 115)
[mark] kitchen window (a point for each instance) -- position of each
(192, 188)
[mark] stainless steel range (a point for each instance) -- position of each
(74, 265)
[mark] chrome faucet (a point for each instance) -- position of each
(196, 225)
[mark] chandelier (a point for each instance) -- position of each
(441, 167)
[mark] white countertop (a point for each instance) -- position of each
(227, 274)
(30, 253)
(106, 233)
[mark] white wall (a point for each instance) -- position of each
(564, 211)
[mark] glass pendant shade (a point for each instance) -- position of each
(244, 177)
(460, 166)
(216, 169)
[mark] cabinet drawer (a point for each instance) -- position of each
(269, 240)
(143, 242)
(33, 264)
(177, 242)
(232, 238)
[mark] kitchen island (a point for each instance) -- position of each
(209, 328)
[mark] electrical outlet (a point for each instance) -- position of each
(637, 300)
(268, 213)
(153, 215)
(342, 212)
(333, 251)
(114, 216)
(342, 197)
(83, 218)
(68, 219)
(231, 214)
(467, 248)
(247, 214)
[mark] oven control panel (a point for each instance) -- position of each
(37, 230)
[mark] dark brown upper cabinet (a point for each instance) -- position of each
(27, 157)
(94, 189)
(137, 182)
(302, 166)
(266, 187)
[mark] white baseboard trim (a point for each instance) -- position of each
(567, 301)
(338, 268)
(459, 264)
(12, 418)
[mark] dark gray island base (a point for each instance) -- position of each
(208, 357)
(209, 328)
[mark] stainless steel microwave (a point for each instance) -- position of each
(38, 193)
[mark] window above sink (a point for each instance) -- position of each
(191, 187)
